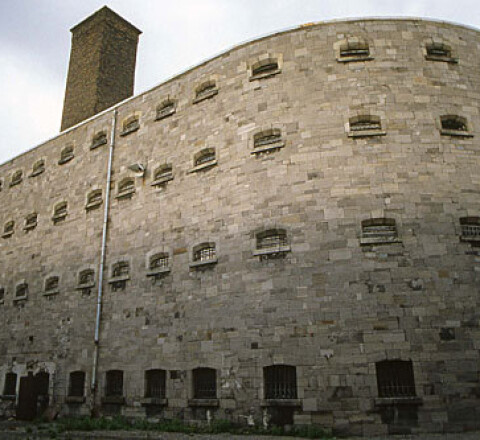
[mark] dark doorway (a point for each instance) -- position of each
(33, 395)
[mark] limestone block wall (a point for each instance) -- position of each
(334, 305)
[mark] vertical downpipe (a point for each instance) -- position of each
(102, 261)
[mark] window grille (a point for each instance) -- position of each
(454, 123)
(205, 253)
(166, 109)
(86, 277)
(204, 383)
(76, 385)
(114, 383)
(163, 172)
(280, 382)
(364, 123)
(159, 261)
(126, 186)
(265, 68)
(66, 155)
(395, 378)
(267, 137)
(98, 140)
(470, 228)
(51, 284)
(9, 228)
(155, 381)
(205, 156)
(31, 221)
(354, 49)
(438, 50)
(379, 230)
(38, 168)
(21, 290)
(17, 178)
(121, 269)
(94, 198)
(60, 211)
(10, 386)
(272, 239)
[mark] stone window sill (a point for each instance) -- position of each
(203, 402)
(440, 58)
(354, 59)
(165, 114)
(114, 280)
(18, 182)
(51, 293)
(265, 75)
(155, 272)
(389, 401)
(98, 144)
(7, 234)
(203, 166)
(59, 218)
(161, 181)
(75, 399)
(196, 264)
(29, 227)
(382, 240)
(366, 133)
(8, 397)
(271, 251)
(20, 298)
(65, 160)
(85, 286)
(129, 131)
(113, 400)
(94, 205)
(125, 194)
(281, 402)
(205, 96)
(154, 401)
(36, 173)
(269, 147)
(456, 133)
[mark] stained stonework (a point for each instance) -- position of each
(334, 250)
(102, 65)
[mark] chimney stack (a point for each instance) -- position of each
(101, 71)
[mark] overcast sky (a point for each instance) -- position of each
(35, 44)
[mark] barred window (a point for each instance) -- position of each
(38, 168)
(8, 228)
(395, 378)
(130, 125)
(353, 49)
(437, 51)
(271, 137)
(126, 187)
(280, 382)
(17, 178)
(114, 383)
(98, 140)
(162, 174)
(76, 386)
(86, 277)
(205, 91)
(21, 290)
(60, 212)
(204, 383)
(31, 221)
(205, 156)
(365, 125)
(51, 284)
(121, 269)
(165, 109)
(379, 231)
(94, 199)
(155, 383)
(470, 228)
(10, 386)
(265, 68)
(454, 125)
(66, 155)
(272, 238)
(204, 252)
(159, 261)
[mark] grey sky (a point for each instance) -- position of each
(35, 44)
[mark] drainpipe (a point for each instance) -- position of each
(102, 259)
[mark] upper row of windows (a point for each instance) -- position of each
(263, 141)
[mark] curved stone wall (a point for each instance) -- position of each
(320, 214)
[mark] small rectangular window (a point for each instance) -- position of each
(379, 231)
(10, 386)
(155, 381)
(470, 229)
(76, 387)
(280, 382)
(395, 378)
(204, 383)
(114, 383)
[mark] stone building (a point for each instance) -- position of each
(291, 234)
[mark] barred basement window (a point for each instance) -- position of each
(8, 229)
(439, 52)
(21, 291)
(204, 254)
(76, 386)
(126, 188)
(114, 383)
(60, 212)
(354, 49)
(155, 383)
(98, 140)
(131, 125)
(166, 109)
(280, 382)
(204, 159)
(162, 174)
(10, 386)
(94, 199)
(265, 69)
(204, 383)
(395, 378)
(272, 244)
(38, 168)
(66, 155)
(470, 229)
(267, 140)
(51, 285)
(206, 90)
(379, 231)
(17, 178)
(454, 125)
(365, 125)
(31, 221)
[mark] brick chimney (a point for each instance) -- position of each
(102, 65)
